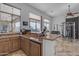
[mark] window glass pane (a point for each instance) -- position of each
(17, 27)
(5, 27)
(16, 11)
(45, 20)
(32, 26)
(8, 21)
(35, 26)
(6, 8)
(35, 22)
(31, 15)
(46, 23)
(16, 23)
(38, 26)
(5, 17)
(47, 26)
(16, 18)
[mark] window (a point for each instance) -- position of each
(17, 26)
(9, 19)
(16, 11)
(32, 26)
(5, 17)
(35, 22)
(6, 8)
(47, 24)
(33, 16)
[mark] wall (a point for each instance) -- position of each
(58, 20)
(25, 9)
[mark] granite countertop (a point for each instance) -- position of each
(7, 36)
(51, 37)
(24, 36)
(39, 40)
(31, 38)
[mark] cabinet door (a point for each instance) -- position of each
(25, 45)
(22, 43)
(1, 47)
(35, 49)
(4, 46)
(11, 44)
(16, 43)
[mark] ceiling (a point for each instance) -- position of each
(56, 9)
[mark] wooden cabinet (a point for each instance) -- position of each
(11, 44)
(35, 48)
(31, 48)
(25, 46)
(4, 46)
(14, 44)
(22, 43)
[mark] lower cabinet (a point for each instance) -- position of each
(4, 46)
(31, 48)
(14, 44)
(35, 48)
(25, 45)
(9, 44)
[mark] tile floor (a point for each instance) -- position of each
(17, 53)
(63, 48)
(67, 48)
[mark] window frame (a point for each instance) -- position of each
(44, 22)
(19, 16)
(36, 21)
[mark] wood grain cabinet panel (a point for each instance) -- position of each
(10, 45)
(35, 49)
(1, 48)
(4, 46)
(25, 45)
(22, 43)
(16, 43)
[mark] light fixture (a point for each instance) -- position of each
(71, 13)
